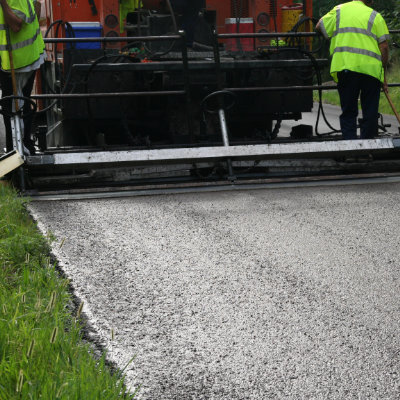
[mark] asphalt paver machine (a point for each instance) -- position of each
(124, 99)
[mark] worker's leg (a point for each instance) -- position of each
(25, 81)
(7, 90)
(190, 13)
(349, 90)
(190, 19)
(370, 94)
(26, 91)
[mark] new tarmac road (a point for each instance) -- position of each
(268, 294)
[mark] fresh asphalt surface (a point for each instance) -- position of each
(268, 294)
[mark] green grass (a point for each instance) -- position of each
(332, 97)
(42, 355)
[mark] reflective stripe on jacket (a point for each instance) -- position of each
(355, 31)
(27, 45)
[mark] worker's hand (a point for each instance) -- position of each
(385, 86)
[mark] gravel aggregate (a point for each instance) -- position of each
(269, 294)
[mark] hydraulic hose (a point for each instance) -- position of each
(116, 58)
(171, 11)
(295, 28)
(12, 113)
(321, 111)
(67, 81)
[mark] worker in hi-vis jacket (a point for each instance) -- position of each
(19, 25)
(360, 53)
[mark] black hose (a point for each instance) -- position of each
(13, 113)
(116, 58)
(67, 81)
(321, 110)
(297, 41)
(171, 11)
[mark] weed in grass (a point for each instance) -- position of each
(78, 314)
(54, 335)
(52, 301)
(59, 391)
(30, 350)
(38, 303)
(62, 242)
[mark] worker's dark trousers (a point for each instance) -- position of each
(350, 86)
(190, 14)
(7, 90)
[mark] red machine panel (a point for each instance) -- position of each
(223, 9)
(106, 12)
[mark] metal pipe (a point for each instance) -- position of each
(224, 128)
(183, 92)
(113, 39)
(221, 111)
(186, 79)
(291, 88)
(104, 95)
(177, 37)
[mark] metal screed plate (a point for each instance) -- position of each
(265, 151)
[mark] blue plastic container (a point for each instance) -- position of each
(86, 30)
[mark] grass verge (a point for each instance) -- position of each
(332, 97)
(42, 355)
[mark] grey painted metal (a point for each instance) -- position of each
(281, 150)
(17, 134)
(224, 128)
(225, 139)
(16, 131)
(209, 189)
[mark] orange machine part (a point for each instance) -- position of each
(223, 9)
(262, 11)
